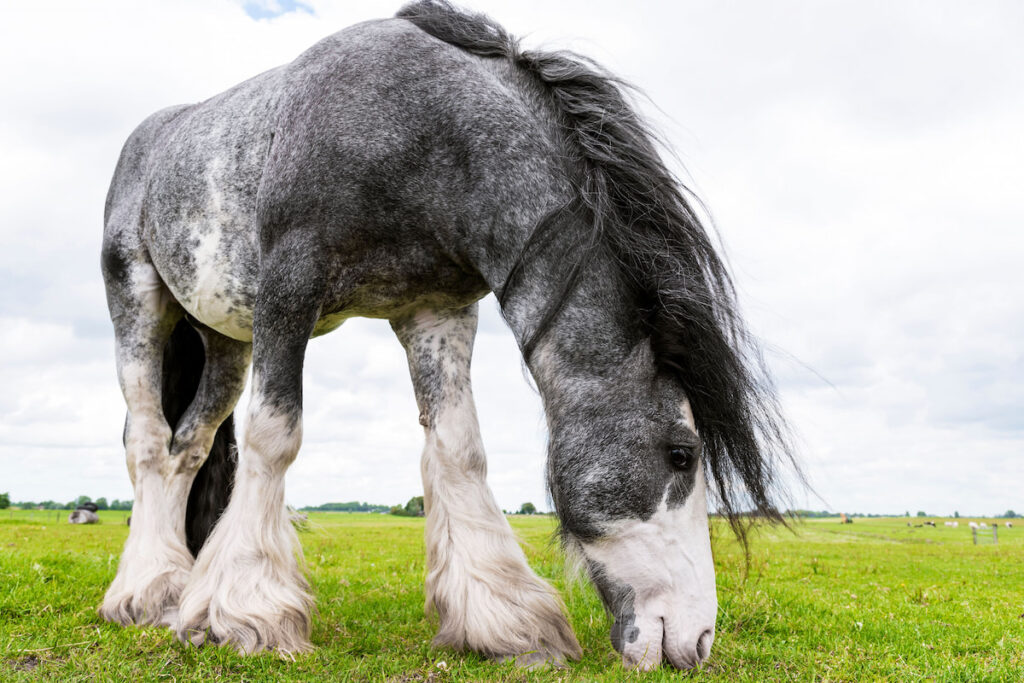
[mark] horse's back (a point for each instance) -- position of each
(380, 144)
(391, 139)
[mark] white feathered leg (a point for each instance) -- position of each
(246, 589)
(155, 562)
(487, 597)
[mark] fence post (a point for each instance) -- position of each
(974, 535)
(995, 533)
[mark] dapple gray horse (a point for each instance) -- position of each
(402, 169)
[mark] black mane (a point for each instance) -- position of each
(639, 214)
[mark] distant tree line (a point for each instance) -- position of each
(351, 506)
(414, 508)
(920, 513)
(814, 514)
(101, 503)
(811, 513)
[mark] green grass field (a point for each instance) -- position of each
(875, 600)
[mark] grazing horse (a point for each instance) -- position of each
(402, 169)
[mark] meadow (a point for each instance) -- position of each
(871, 601)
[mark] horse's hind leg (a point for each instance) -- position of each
(155, 563)
(487, 597)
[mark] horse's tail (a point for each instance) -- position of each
(184, 359)
(642, 215)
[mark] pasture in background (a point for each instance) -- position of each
(865, 601)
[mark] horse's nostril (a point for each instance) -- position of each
(704, 645)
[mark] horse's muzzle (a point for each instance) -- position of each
(644, 642)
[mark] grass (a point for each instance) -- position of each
(872, 601)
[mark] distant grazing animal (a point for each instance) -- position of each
(929, 524)
(83, 516)
(1009, 525)
(402, 169)
(956, 524)
(983, 525)
(973, 525)
(948, 523)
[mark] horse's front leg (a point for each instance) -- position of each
(246, 589)
(487, 597)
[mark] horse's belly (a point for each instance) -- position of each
(211, 271)
(220, 298)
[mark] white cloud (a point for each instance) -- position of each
(861, 161)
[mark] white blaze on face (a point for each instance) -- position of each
(665, 565)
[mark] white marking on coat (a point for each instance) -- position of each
(667, 562)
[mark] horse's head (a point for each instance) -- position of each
(627, 479)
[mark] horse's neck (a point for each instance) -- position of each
(593, 334)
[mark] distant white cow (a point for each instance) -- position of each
(950, 523)
(955, 524)
(973, 525)
(1009, 525)
(83, 517)
(983, 525)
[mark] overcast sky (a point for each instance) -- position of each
(862, 161)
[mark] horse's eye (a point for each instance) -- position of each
(682, 457)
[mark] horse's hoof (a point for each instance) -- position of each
(537, 660)
(147, 603)
(253, 611)
(250, 637)
(525, 624)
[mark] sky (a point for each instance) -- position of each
(861, 162)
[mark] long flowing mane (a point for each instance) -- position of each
(639, 213)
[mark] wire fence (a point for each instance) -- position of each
(983, 536)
